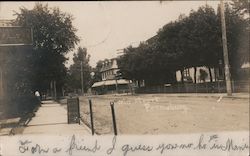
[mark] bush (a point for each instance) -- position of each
(16, 106)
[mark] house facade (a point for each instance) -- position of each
(109, 69)
(111, 82)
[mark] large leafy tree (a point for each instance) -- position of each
(81, 62)
(237, 26)
(205, 39)
(190, 41)
(145, 63)
(53, 37)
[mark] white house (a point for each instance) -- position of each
(111, 83)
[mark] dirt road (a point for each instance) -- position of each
(161, 114)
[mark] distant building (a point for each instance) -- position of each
(109, 69)
(6, 23)
(111, 80)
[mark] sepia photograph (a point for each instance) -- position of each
(127, 78)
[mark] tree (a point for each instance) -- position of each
(53, 37)
(190, 41)
(238, 38)
(207, 37)
(97, 70)
(145, 63)
(241, 7)
(74, 74)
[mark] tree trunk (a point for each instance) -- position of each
(139, 83)
(195, 70)
(210, 74)
(215, 75)
(182, 76)
(174, 78)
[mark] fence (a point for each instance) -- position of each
(207, 87)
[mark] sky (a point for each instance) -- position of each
(107, 27)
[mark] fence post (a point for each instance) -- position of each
(79, 116)
(113, 117)
(218, 84)
(91, 117)
(233, 89)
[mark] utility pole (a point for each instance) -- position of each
(82, 77)
(1, 68)
(1, 80)
(225, 51)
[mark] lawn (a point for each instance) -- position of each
(162, 114)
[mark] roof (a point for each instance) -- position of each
(110, 82)
(109, 64)
(97, 84)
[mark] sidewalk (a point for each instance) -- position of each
(51, 118)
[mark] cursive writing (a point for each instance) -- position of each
(130, 148)
(229, 146)
(110, 150)
(203, 143)
(26, 146)
(74, 146)
(162, 147)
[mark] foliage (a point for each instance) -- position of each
(190, 41)
(145, 63)
(53, 37)
(97, 72)
(81, 62)
(238, 39)
(241, 7)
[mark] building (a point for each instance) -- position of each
(6, 23)
(3, 23)
(111, 79)
(109, 69)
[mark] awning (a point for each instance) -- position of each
(110, 82)
(123, 81)
(97, 84)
